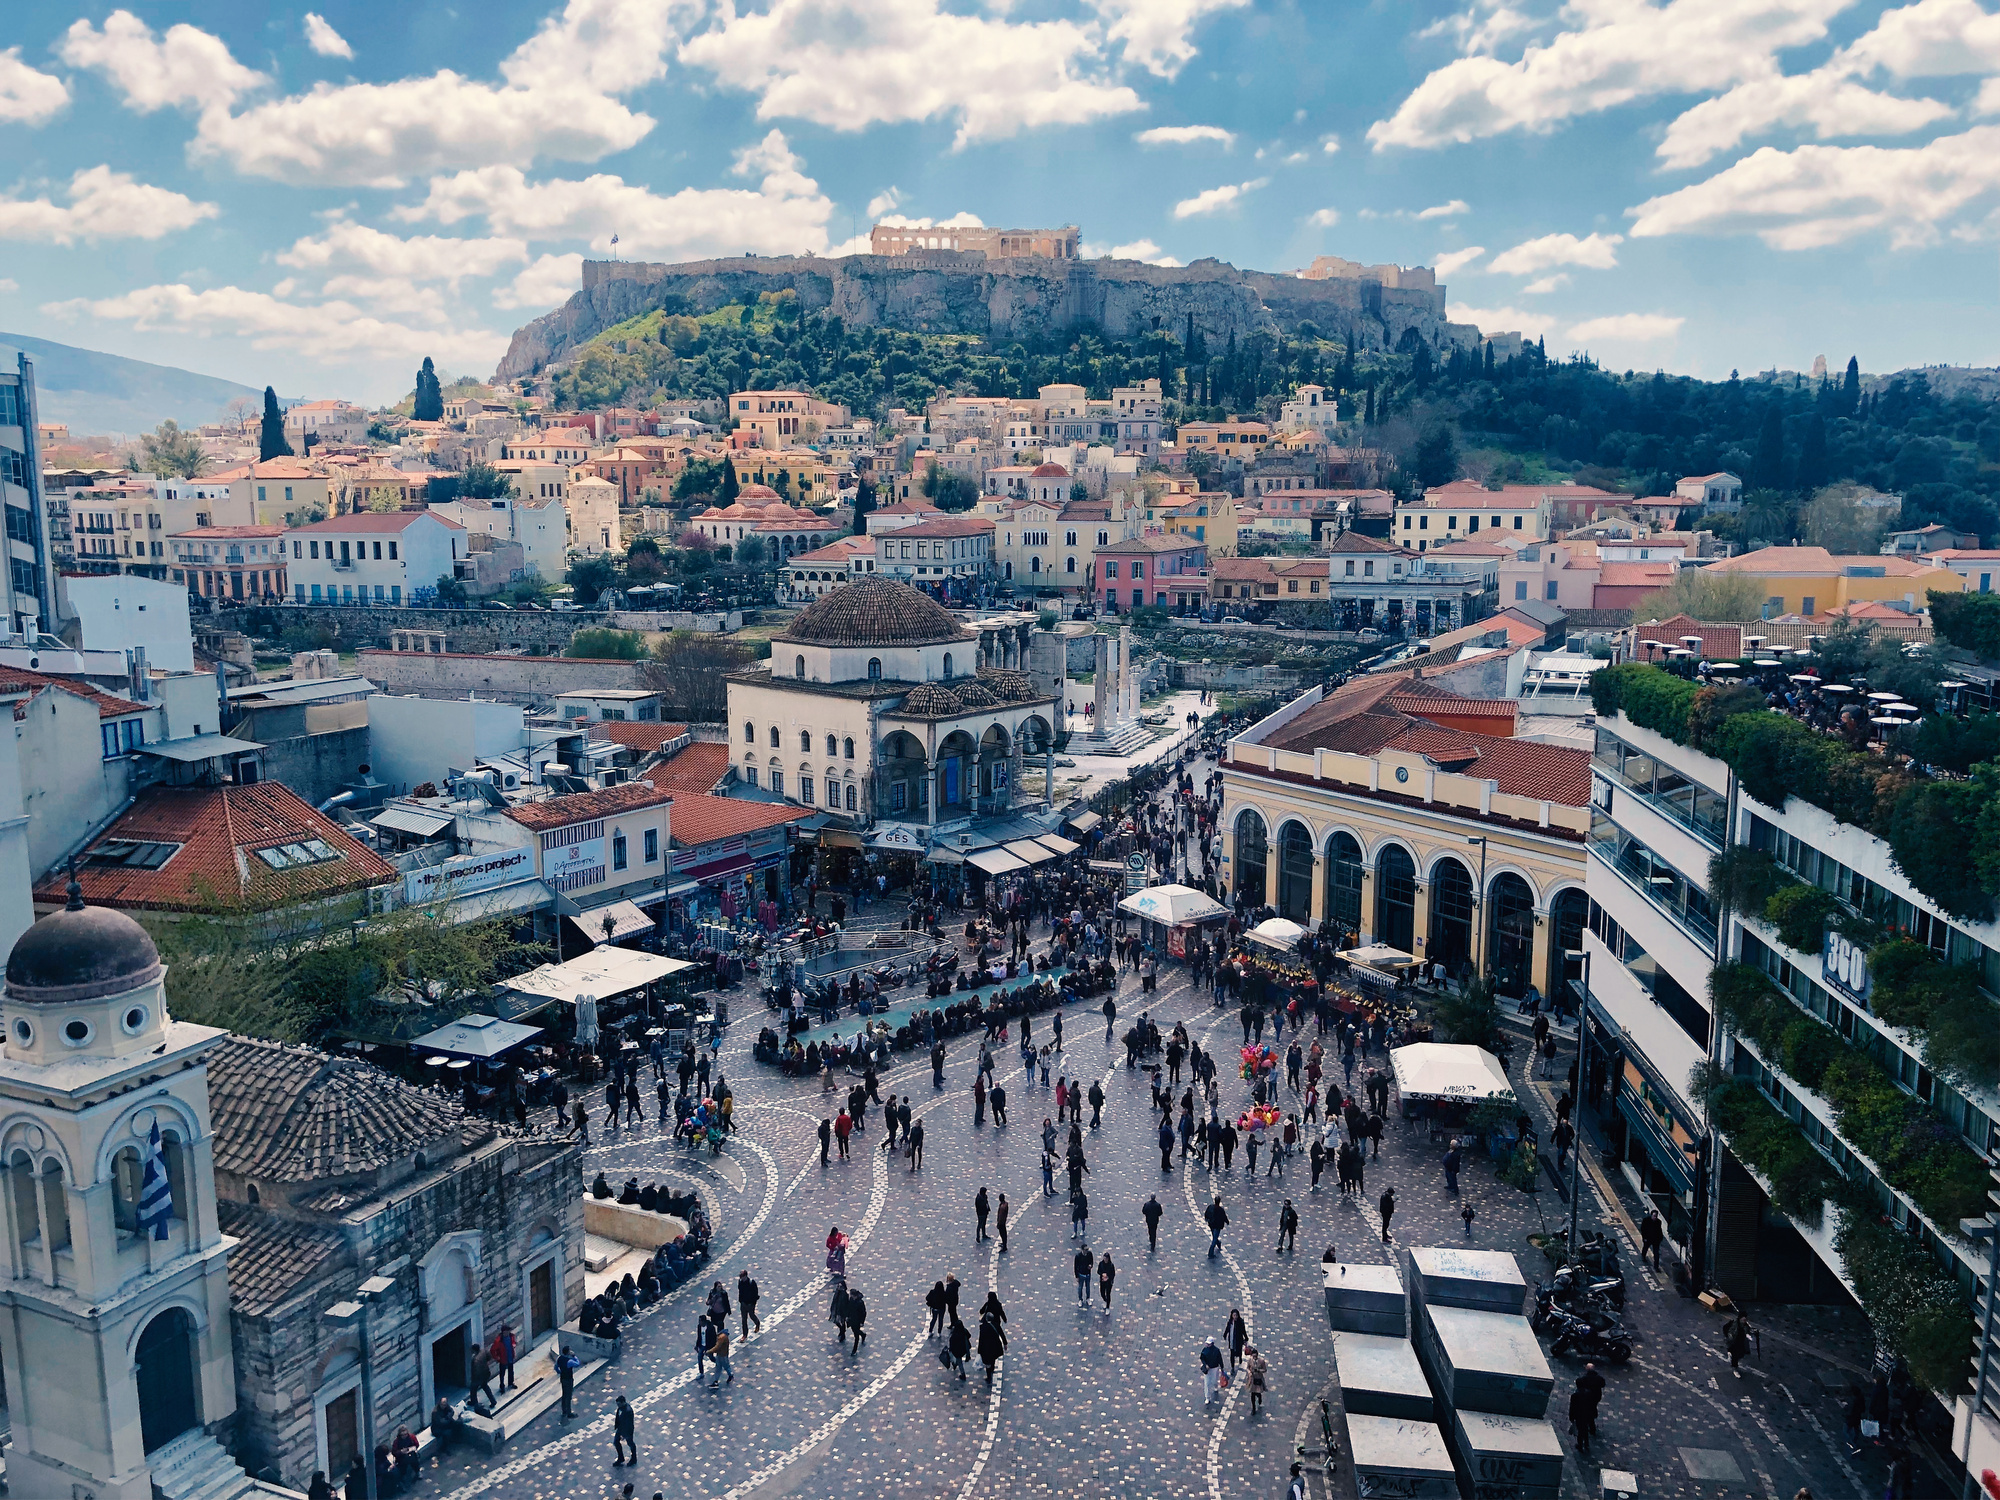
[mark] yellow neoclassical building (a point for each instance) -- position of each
(1408, 815)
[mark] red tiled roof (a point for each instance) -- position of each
(640, 739)
(946, 526)
(1718, 642)
(1420, 698)
(374, 520)
(228, 533)
(1635, 574)
(703, 820)
(692, 772)
(578, 807)
(109, 705)
(1524, 768)
(220, 829)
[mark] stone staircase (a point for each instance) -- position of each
(194, 1466)
(1121, 739)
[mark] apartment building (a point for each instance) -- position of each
(1811, 581)
(784, 419)
(541, 526)
(1465, 509)
(389, 557)
(1169, 572)
(931, 552)
(1311, 409)
(1233, 439)
(325, 422)
(30, 578)
(229, 562)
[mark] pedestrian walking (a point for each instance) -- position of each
(1211, 1372)
(1000, 1221)
(1652, 1233)
(1235, 1337)
(843, 1127)
(996, 1098)
(979, 1098)
(1260, 1378)
(506, 1348)
(1096, 1097)
(1217, 1219)
(1151, 1214)
(836, 1315)
(748, 1294)
(857, 1318)
(825, 1139)
(1452, 1161)
(915, 1149)
(1736, 1339)
(1083, 1263)
(1388, 1208)
(934, 1300)
(958, 1344)
(981, 1207)
(1590, 1387)
(1110, 1018)
(1166, 1140)
(718, 1354)
(1048, 1175)
(480, 1377)
(992, 1344)
(1288, 1228)
(623, 1438)
(1079, 1214)
(1467, 1215)
(1107, 1273)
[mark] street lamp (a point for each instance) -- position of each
(1582, 1083)
(1479, 904)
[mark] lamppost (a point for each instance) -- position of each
(1582, 1083)
(1479, 905)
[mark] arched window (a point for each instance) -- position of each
(851, 805)
(799, 668)
(947, 664)
(847, 749)
(806, 740)
(831, 751)
(774, 737)
(55, 1204)
(749, 733)
(127, 1185)
(27, 1217)
(1069, 565)
(874, 669)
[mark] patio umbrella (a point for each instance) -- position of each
(586, 1022)
(1172, 904)
(1277, 933)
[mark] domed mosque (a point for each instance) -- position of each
(881, 705)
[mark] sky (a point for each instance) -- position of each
(317, 199)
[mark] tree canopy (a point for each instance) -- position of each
(271, 434)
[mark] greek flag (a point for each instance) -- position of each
(156, 1197)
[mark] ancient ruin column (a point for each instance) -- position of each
(1127, 681)
(1101, 684)
(1049, 773)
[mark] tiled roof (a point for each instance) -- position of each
(692, 772)
(1178, 542)
(578, 807)
(274, 1257)
(1522, 768)
(288, 1114)
(219, 830)
(639, 738)
(908, 508)
(1425, 698)
(377, 520)
(874, 612)
(1354, 541)
(833, 552)
(1767, 561)
(947, 526)
(1636, 574)
(227, 533)
(703, 820)
(109, 705)
(1718, 642)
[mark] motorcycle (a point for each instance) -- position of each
(1575, 1336)
(1609, 1288)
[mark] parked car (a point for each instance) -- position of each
(562, 604)
(1233, 620)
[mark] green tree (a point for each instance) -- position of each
(607, 645)
(1836, 520)
(1767, 514)
(689, 669)
(1706, 595)
(1850, 387)
(750, 551)
(1079, 490)
(1813, 469)
(1970, 622)
(730, 486)
(429, 403)
(589, 577)
(481, 481)
(1435, 458)
(169, 452)
(864, 502)
(1767, 466)
(271, 435)
(451, 592)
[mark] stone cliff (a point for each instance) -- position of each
(951, 292)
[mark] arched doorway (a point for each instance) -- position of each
(1343, 883)
(1510, 933)
(1396, 898)
(167, 1378)
(1567, 914)
(1451, 915)
(1295, 873)
(957, 765)
(1251, 853)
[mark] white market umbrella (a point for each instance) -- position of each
(1446, 1070)
(1277, 933)
(1172, 905)
(586, 1022)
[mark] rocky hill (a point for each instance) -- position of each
(951, 292)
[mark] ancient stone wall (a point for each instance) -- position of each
(526, 680)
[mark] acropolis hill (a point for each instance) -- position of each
(1010, 295)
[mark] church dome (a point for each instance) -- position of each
(1049, 471)
(874, 612)
(80, 953)
(972, 694)
(1009, 686)
(758, 494)
(930, 700)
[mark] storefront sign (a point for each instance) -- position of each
(903, 840)
(468, 873)
(573, 865)
(1845, 966)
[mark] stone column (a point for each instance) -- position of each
(1049, 773)
(1270, 874)
(1319, 888)
(1420, 923)
(1127, 678)
(1101, 684)
(934, 780)
(1538, 972)
(1366, 926)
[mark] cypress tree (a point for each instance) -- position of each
(1850, 386)
(271, 435)
(429, 403)
(864, 502)
(1767, 466)
(729, 484)
(1812, 454)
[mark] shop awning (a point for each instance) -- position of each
(1029, 852)
(1083, 822)
(841, 838)
(1057, 842)
(626, 921)
(603, 973)
(719, 869)
(410, 820)
(501, 901)
(995, 861)
(481, 1038)
(1175, 905)
(1444, 1070)
(946, 857)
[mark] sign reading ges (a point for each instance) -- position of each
(468, 872)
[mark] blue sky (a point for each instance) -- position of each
(318, 198)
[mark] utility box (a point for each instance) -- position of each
(1380, 1377)
(1366, 1299)
(1400, 1459)
(1507, 1458)
(1446, 1276)
(1484, 1361)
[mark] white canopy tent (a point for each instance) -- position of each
(1277, 933)
(1445, 1070)
(1172, 905)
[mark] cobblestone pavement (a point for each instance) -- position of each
(1088, 1403)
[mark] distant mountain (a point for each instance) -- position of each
(95, 393)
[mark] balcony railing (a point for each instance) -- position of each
(1658, 884)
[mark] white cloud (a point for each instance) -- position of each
(847, 65)
(1813, 196)
(1599, 252)
(1623, 50)
(1547, 284)
(1215, 199)
(1931, 39)
(1825, 100)
(1155, 32)
(1988, 101)
(323, 39)
(610, 46)
(1324, 218)
(104, 205)
(1455, 260)
(1627, 328)
(337, 332)
(883, 201)
(960, 220)
(1449, 210)
(9, 285)
(1184, 135)
(1481, 28)
(28, 96)
(419, 258)
(1329, 144)
(1491, 320)
(185, 67)
(544, 284)
(1144, 250)
(785, 214)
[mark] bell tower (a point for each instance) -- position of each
(114, 1291)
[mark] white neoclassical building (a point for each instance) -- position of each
(880, 704)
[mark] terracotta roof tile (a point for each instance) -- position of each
(274, 1257)
(692, 772)
(875, 612)
(640, 739)
(703, 820)
(109, 705)
(578, 807)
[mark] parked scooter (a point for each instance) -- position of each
(1574, 1336)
